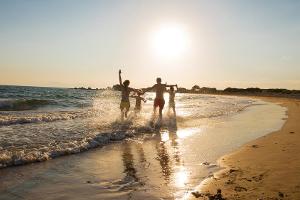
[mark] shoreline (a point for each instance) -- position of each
(98, 140)
(265, 168)
(165, 165)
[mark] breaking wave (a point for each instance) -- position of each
(8, 119)
(12, 155)
(38, 124)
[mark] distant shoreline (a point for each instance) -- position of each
(255, 92)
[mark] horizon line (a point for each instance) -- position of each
(61, 87)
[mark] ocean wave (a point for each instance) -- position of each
(7, 119)
(24, 104)
(77, 121)
(13, 156)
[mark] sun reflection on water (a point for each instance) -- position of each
(184, 133)
(165, 136)
(181, 177)
(171, 161)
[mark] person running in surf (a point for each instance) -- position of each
(172, 99)
(125, 89)
(159, 100)
(138, 101)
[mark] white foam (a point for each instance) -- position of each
(31, 136)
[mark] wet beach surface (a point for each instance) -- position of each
(38, 124)
(167, 164)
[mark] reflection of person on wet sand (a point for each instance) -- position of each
(167, 153)
(164, 160)
(172, 100)
(141, 155)
(128, 163)
(159, 101)
(174, 144)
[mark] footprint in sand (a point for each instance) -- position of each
(258, 178)
(292, 132)
(240, 189)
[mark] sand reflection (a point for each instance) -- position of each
(160, 158)
(184, 133)
(181, 177)
(163, 156)
(128, 162)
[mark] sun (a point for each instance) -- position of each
(169, 41)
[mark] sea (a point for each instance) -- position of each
(85, 150)
(40, 123)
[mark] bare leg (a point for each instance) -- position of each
(160, 113)
(153, 116)
(122, 115)
(174, 111)
(154, 112)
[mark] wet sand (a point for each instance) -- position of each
(168, 164)
(266, 168)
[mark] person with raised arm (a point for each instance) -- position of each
(159, 100)
(125, 89)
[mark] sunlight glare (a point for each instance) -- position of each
(181, 177)
(170, 41)
(184, 133)
(165, 136)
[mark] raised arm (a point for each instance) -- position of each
(120, 78)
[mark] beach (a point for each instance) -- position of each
(266, 168)
(88, 155)
(149, 100)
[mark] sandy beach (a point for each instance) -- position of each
(266, 168)
(167, 164)
(151, 100)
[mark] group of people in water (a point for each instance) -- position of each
(159, 101)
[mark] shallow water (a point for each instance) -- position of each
(37, 124)
(163, 164)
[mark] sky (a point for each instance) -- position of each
(72, 43)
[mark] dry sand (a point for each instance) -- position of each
(267, 168)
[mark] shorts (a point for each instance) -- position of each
(125, 104)
(137, 108)
(159, 102)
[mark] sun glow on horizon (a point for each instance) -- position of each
(169, 41)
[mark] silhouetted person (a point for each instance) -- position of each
(159, 101)
(172, 99)
(138, 101)
(125, 89)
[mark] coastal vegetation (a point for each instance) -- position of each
(252, 91)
